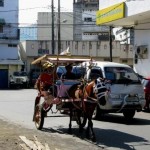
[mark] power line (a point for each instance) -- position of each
(23, 9)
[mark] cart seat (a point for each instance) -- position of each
(63, 86)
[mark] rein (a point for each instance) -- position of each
(87, 95)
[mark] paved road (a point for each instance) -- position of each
(113, 132)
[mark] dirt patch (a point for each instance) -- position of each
(9, 138)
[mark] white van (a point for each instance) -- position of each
(126, 94)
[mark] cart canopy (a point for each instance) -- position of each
(61, 59)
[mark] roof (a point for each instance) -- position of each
(61, 59)
(108, 64)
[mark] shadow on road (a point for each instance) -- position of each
(113, 118)
(105, 138)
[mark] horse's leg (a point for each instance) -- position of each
(79, 121)
(70, 123)
(87, 129)
(92, 131)
(90, 128)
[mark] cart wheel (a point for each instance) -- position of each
(81, 118)
(39, 117)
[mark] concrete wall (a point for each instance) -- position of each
(98, 50)
(44, 31)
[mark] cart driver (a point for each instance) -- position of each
(45, 81)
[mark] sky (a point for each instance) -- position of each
(28, 9)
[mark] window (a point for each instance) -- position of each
(83, 46)
(90, 45)
(88, 19)
(40, 45)
(12, 45)
(68, 43)
(1, 29)
(76, 45)
(106, 59)
(1, 3)
(32, 46)
(125, 61)
(62, 46)
(105, 46)
(96, 73)
(121, 75)
(98, 45)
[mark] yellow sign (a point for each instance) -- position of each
(109, 14)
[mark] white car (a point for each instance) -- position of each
(126, 94)
(19, 79)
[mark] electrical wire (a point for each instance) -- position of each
(65, 9)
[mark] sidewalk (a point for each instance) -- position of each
(10, 140)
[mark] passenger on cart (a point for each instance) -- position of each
(45, 84)
(69, 80)
(69, 74)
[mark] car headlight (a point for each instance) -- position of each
(114, 96)
(11, 80)
(141, 96)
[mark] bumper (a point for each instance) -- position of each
(126, 103)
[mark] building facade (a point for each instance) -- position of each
(120, 13)
(98, 50)
(9, 39)
(44, 26)
(85, 28)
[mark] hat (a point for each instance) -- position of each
(47, 65)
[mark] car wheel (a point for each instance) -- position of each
(129, 114)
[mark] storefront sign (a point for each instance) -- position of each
(109, 14)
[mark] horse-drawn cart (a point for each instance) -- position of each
(71, 96)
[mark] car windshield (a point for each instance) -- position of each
(78, 71)
(121, 75)
(20, 74)
(16, 74)
(23, 74)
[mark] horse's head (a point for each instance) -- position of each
(100, 90)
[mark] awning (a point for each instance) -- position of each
(11, 62)
(2, 21)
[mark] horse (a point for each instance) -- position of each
(91, 94)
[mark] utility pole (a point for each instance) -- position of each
(110, 42)
(53, 42)
(59, 38)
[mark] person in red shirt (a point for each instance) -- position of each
(47, 78)
(45, 86)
